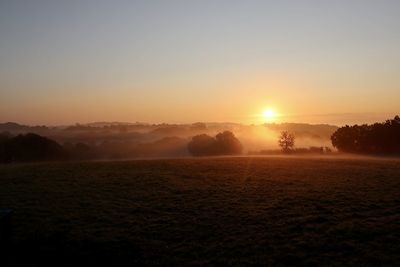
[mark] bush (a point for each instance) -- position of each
(31, 147)
(224, 143)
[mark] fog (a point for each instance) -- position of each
(140, 140)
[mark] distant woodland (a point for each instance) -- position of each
(21, 143)
(377, 138)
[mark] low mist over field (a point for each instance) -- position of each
(141, 139)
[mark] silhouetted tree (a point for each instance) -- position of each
(4, 137)
(32, 147)
(202, 145)
(228, 144)
(224, 143)
(286, 141)
(378, 138)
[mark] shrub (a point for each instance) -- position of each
(224, 143)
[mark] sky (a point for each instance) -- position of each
(321, 61)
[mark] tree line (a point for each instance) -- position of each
(29, 147)
(32, 147)
(377, 138)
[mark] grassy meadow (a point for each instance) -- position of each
(252, 211)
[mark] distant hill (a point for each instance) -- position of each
(121, 139)
(13, 127)
(113, 123)
(304, 130)
(300, 130)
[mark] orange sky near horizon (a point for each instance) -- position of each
(240, 100)
(184, 62)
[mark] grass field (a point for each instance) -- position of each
(213, 211)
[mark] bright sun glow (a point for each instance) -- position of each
(269, 114)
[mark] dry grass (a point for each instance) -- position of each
(217, 211)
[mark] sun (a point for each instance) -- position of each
(269, 114)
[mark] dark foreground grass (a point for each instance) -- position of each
(220, 211)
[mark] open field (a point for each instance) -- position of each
(211, 211)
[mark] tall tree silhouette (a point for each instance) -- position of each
(286, 141)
